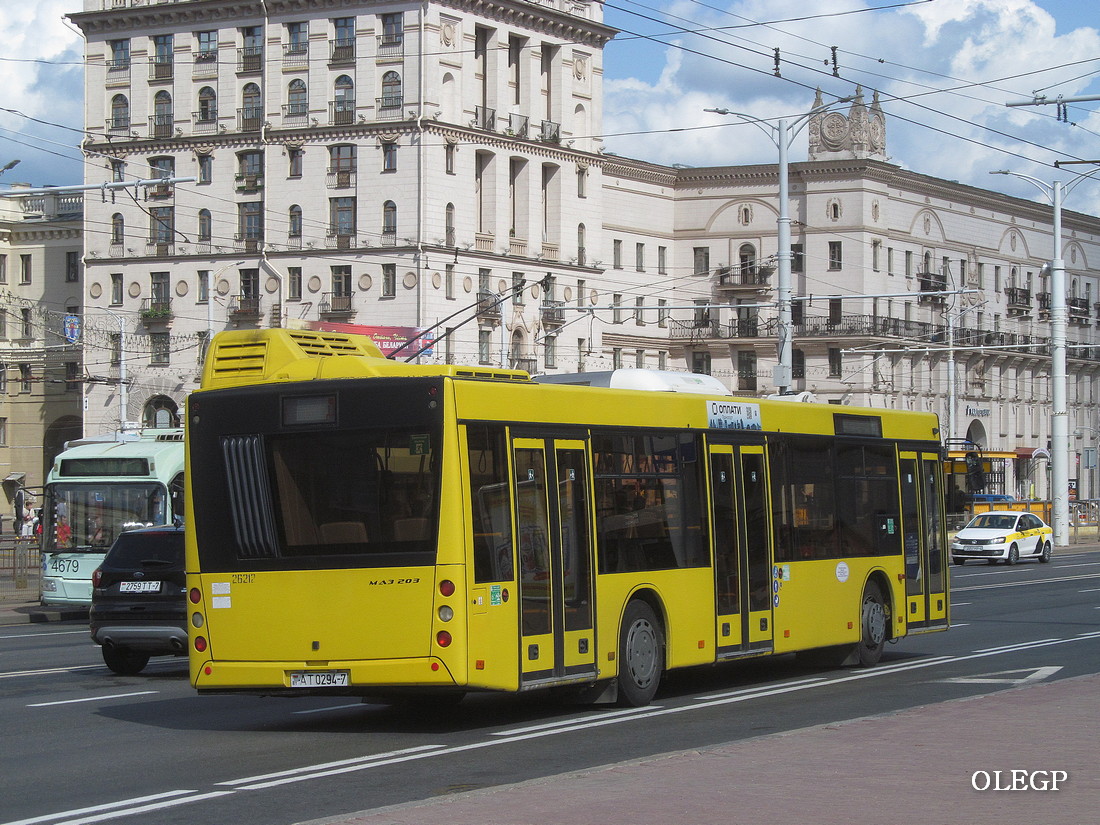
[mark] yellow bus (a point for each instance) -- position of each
(371, 528)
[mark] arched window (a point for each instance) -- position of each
(160, 412)
(343, 100)
(162, 114)
(118, 228)
(251, 102)
(391, 91)
(746, 256)
(208, 105)
(295, 218)
(581, 254)
(450, 226)
(120, 112)
(205, 225)
(297, 98)
(389, 218)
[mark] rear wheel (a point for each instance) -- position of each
(1044, 557)
(641, 655)
(958, 561)
(1013, 555)
(874, 623)
(125, 662)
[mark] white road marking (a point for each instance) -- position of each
(334, 707)
(92, 698)
(40, 635)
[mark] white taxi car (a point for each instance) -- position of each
(1003, 535)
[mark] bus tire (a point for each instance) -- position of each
(641, 655)
(124, 662)
(874, 622)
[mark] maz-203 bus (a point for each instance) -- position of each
(94, 491)
(364, 527)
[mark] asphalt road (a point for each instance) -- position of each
(82, 745)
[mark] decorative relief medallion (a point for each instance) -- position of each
(409, 280)
(314, 284)
(365, 283)
(448, 34)
(181, 288)
(834, 130)
(135, 289)
(95, 290)
(877, 131)
(580, 67)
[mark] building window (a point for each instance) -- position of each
(294, 162)
(550, 351)
(203, 291)
(206, 223)
(449, 158)
(389, 280)
(700, 363)
(26, 376)
(294, 222)
(484, 344)
(3, 331)
(27, 330)
(662, 259)
(701, 260)
(3, 431)
(120, 113)
(835, 256)
(120, 55)
(449, 226)
(389, 220)
(835, 362)
(116, 288)
(798, 363)
(342, 217)
(24, 269)
(798, 257)
(393, 29)
(517, 288)
(392, 95)
(206, 168)
(662, 312)
(876, 253)
(207, 47)
(161, 223)
(662, 360)
(159, 288)
(639, 311)
(161, 348)
(72, 267)
(582, 183)
(617, 308)
(449, 282)
(297, 35)
(294, 283)
(639, 359)
(639, 257)
(389, 156)
(616, 358)
(72, 377)
(617, 254)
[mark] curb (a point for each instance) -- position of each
(37, 614)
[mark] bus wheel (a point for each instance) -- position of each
(641, 655)
(124, 662)
(874, 621)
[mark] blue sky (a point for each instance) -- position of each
(944, 69)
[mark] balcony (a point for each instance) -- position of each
(249, 119)
(249, 182)
(159, 191)
(339, 178)
(391, 45)
(527, 364)
(389, 107)
(550, 132)
(247, 242)
(118, 72)
(161, 67)
(159, 248)
(342, 50)
(118, 125)
(929, 283)
(205, 63)
(341, 112)
(244, 307)
(1045, 302)
(1079, 311)
(517, 126)
(204, 123)
(748, 277)
(160, 126)
(296, 55)
(333, 304)
(340, 240)
(250, 60)
(1019, 300)
(488, 306)
(552, 313)
(485, 118)
(156, 311)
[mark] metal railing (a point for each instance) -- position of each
(20, 567)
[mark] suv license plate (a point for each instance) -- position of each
(319, 678)
(139, 587)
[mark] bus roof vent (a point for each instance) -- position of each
(246, 356)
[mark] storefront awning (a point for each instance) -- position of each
(1033, 453)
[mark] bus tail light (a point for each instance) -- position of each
(97, 576)
(200, 644)
(447, 587)
(195, 595)
(442, 638)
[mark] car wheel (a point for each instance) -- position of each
(125, 662)
(958, 561)
(1044, 557)
(1013, 555)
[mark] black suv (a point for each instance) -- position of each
(139, 606)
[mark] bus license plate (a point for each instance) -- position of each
(319, 678)
(139, 587)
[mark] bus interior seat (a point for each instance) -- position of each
(344, 532)
(410, 529)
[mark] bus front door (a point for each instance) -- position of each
(925, 540)
(553, 534)
(742, 550)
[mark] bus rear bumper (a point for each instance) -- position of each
(334, 678)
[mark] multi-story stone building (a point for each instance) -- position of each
(40, 368)
(405, 167)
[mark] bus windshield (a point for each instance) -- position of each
(84, 517)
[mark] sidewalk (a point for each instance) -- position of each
(31, 612)
(918, 767)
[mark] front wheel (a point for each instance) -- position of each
(641, 655)
(874, 623)
(1013, 555)
(1044, 557)
(125, 662)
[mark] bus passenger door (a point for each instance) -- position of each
(742, 550)
(924, 541)
(554, 548)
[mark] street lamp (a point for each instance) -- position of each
(1059, 428)
(782, 133)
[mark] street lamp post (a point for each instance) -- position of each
(782, 134)
(1059, 427)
